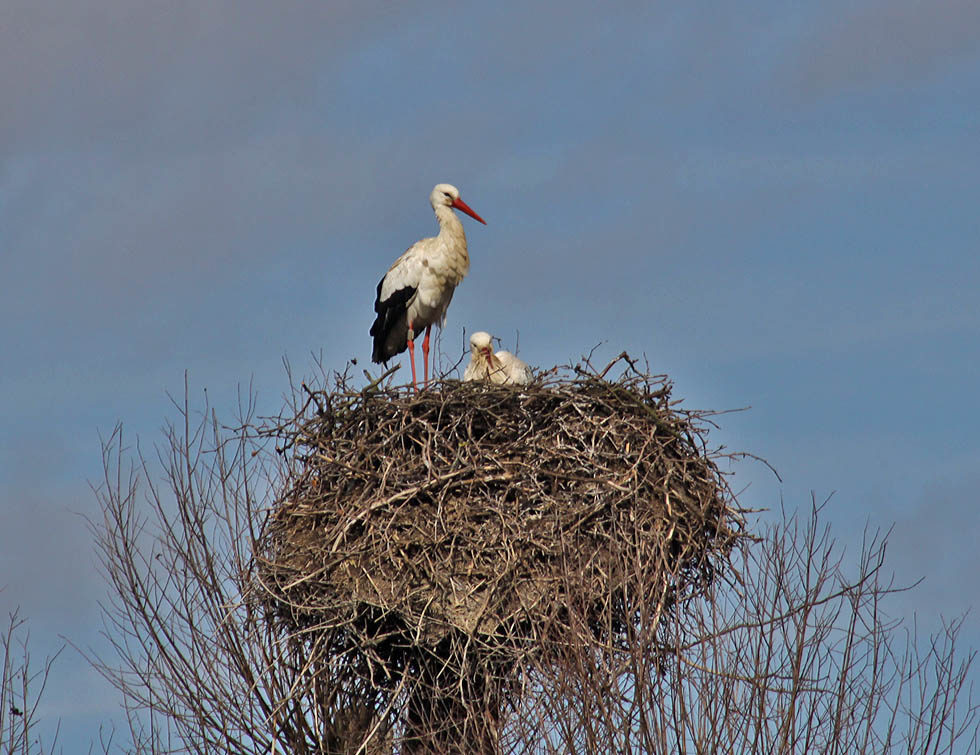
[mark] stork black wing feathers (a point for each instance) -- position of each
(390, 312)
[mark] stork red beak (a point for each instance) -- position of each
(459, 204)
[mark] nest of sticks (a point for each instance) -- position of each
(430, 548)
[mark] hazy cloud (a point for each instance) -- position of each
(933, 540)
(886, 42)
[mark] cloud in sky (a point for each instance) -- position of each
(47, 564)
(926, 537)
(173, 71)
(887, 43)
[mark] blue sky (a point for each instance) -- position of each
(776, 204)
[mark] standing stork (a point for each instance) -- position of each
(416, 291)
(502, 368)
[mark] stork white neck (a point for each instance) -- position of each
(450, 227)
(451, 240)
(448, 220)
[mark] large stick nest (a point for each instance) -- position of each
(474, 510)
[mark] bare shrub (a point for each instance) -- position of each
(22, 684)
(432, 599)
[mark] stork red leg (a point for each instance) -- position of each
(425, 356)
(411, 355)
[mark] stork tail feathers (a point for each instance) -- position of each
(391, 316)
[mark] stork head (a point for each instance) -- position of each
(481, 344)
(447, 195)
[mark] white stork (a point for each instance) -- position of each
(416, 291)
(502, 368)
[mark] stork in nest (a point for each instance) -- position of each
(416, 291)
